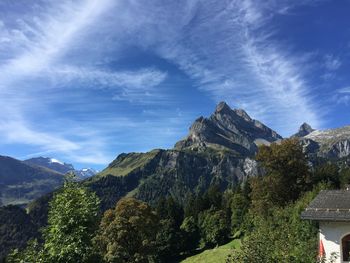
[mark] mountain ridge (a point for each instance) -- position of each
(22, 182)
(232, 129)
(61, 167)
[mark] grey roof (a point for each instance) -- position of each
(329, 205)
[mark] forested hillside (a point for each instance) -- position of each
(230, 178)
(257, 212)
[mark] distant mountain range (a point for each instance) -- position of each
(52, 164)
(61, 167)
(23, 181)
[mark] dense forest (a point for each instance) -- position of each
(263, 212)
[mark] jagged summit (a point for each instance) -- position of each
(304, 130)
(242, 113)
(232, 129)
(222, 107)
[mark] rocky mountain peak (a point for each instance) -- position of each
(306, 127)
(230, 129)
(304, 130)
(222, 107)
(242, 113)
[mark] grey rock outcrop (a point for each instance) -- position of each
(304, 130)
(331, 143)
(230, 129)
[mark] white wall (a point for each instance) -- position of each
(331, 234)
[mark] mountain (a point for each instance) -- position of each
(217, 150)
(85, 173)
(61, 167)
(21, 182)
(230, 129)
(304, 130)
(51, 163)
(331, 143)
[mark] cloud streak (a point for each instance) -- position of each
(230, 51)
(342, 96)
(59, 51)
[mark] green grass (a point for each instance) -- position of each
(215, 255)
(126, 164)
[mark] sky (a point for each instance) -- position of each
(85, 80)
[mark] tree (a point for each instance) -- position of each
(72, 223)
(32, 253)
(239, 207)
(345, 176)
(328, 173)
(281, 237)
(128, 233)
(169, 240)
(169, 237)
(213, 226)
(16, 229)
(287, 175)
(191, 234)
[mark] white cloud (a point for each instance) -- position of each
(126, 85)
(31, 49)
(225, 47)
(229, 50)
(342, 96)
(344, 90)
(331, 62)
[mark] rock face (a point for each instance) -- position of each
(149, 176)
(304, 130)
(332, 143)
(218, 150)
(229, 129)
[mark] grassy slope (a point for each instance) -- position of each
(215, 255)
(125, 165)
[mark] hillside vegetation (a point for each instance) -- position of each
(21, 183)
(255, 213)
(216, 255)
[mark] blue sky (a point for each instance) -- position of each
(83, 81)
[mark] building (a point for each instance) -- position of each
(331, 208)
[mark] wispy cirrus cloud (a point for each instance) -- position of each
(229, 49)
(33, 48)
(331, 62)
(342, 96)
(56, 52)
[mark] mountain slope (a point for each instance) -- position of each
(51, 163)
(21, 183)
(216, 151)
(331, 143)
(61, 167)
(304, 130)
